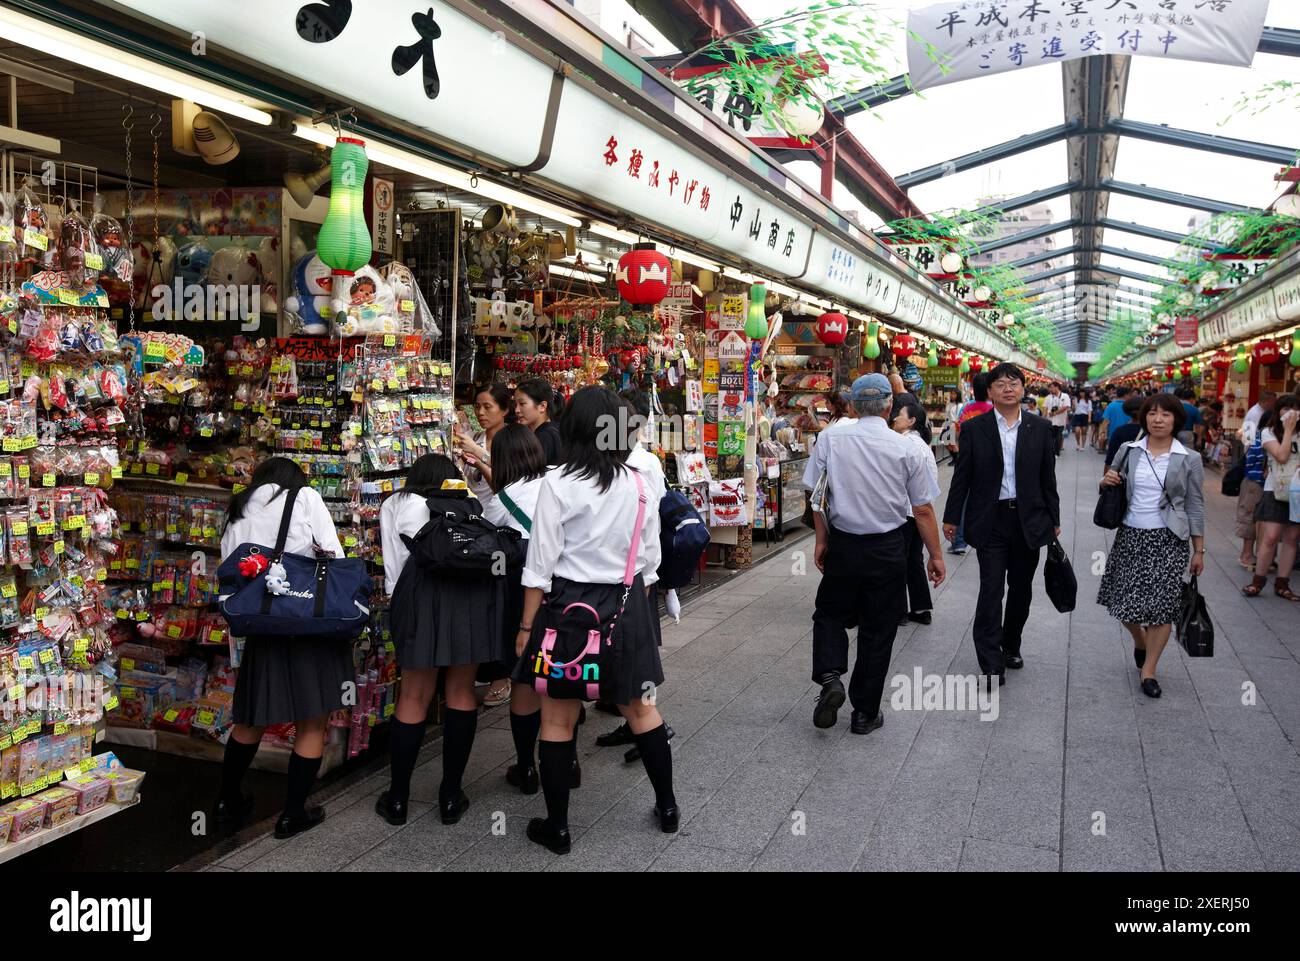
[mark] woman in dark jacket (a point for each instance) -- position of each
(537, 407)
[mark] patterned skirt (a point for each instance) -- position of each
(1143, 582)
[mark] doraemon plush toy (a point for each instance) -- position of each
(193, 260)
(309, 301)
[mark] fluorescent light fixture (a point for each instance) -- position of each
(687, 257)
(577, 274)
(54, 40)
(411, 163)
(739, 275)
(610, 232)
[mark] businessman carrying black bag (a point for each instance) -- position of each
(1006, 479)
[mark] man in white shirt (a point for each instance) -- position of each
(870, 476)
(1058, 412)
(1250, 426)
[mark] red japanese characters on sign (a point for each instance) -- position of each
(1186, 331)
(692, 191)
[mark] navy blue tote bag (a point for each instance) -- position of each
(316, 597)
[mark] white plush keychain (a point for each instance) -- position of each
(277, 579)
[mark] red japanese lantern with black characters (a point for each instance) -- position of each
(643, 276)
(1267, 352)
(904, 346)
(1221, 361)
(832, 328)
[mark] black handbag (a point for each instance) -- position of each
(1112, 504)
(1232, 478)
(1194, 627)
(1058, 577)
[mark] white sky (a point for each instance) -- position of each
(917, 131)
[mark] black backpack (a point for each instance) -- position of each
(459, 540)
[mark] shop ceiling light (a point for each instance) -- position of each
(687, 257)
(613, 233)
(50, 39)
(414, 164)
(577, 274)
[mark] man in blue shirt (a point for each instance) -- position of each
(1195, 423)
(1114, 417)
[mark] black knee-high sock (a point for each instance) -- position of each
(524, 729)
(404, 748)
(556, 759)
(657, 757)
(457, 740)
(239, 756)
(302, 774)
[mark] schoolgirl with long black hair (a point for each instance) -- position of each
(282, 679)
(440, 623)
(536, 407)
(585, 546)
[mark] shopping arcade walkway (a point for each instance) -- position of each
(1193, 781)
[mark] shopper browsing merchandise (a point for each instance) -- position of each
(537, 407)
(282, 679)
(442, 621)
(593, 552)
(508, 490)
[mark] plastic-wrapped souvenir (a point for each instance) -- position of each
(368, 303)
(193, 261)
(8, 239)
(308, 305)
(78, 255)
(412, 311)
(31, 227)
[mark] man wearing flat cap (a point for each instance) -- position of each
(864, 477)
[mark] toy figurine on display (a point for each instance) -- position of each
(369, 305)
(308, 304)
(267, 257)
(78, 255)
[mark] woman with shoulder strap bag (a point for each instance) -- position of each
(282, 679)
(441, 623)
(1162, 533)
(586, 629)
(508, 492)
(1279, 435)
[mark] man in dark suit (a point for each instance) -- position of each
(1006, 479)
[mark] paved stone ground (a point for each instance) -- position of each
(1194, 781)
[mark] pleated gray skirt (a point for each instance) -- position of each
(284, 679)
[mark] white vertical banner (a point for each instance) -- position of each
(382, 216)
(973, 38)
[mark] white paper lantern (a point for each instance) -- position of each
(1288, 206)
(1208, 280)
(801, 119)
(1186, 299)
(950, 262)
(983, 293)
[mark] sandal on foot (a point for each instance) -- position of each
(496, 696)
(1282, 588)
(1255, 587)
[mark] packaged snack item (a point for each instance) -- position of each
(28, 817)
(60, 805)
(124, 784)
(91, 789)
(6, 826)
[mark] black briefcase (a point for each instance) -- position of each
(1112, 503)
(1194, 627)
(1058, 577)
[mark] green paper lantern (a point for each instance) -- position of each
(965, 364)
(756, 321)
(932, 356)
(1241, 364)
(1295, 349)
(343, 243)
(871, 346)
(1196, 368)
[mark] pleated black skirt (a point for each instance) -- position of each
(635, 668)
(283, 679)
(444, 621)
(510, 621)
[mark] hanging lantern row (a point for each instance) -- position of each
(537, 363)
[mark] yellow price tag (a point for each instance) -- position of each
(60, 727)
(110, 702)
(34, 238)
(407, 306)
(151, 469)
(87, 764)
(46, 655)
(117, 472)
(94, 261)
(45, 529)
(8, 589)
(92, 480)
(182, 478)
(24, 470)
(41, 612)
(216, 636)
(19, 529)
(205, 718)
(173, 631)
(25, 662)
(47, 480)
(171, 716)
(59, 547)
(390, 340)
(16, 692)
(128, 664)
(69, 298)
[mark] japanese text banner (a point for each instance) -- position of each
(973, 38)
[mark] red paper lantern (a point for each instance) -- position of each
(952, 357)
(1185, 369)
(643, 276)
(1267, 352)
(500, 363)
(904, 346)
(1170, 370)
(976, 363)
(832, 328)
(1222, 361)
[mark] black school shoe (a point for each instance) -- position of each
(670, 818)
(526, 779)
(1014, 661)
(453, 810)
(619, 736)
(829, 702)
(862, 723)
(230, 813)
(394, 812)
(555, 840)
(920, 617)
(291, 824)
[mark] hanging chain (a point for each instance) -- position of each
(128, 124)
(156, 236)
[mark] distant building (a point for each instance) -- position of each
(1015, 222)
